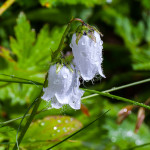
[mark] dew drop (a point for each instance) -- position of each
(130, 133)
(56, 81)
(95, 44)
(71, 45)
(42, 123)
(65, 76)
(113, 139)
(101, 47)
(59, 121)
(64, 129)
(83, 54)
(101, 42)
(83, 43)
(55, 128)
(66, 121)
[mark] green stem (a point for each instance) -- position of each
(59, 49)
(89, 96)
(23, 82)
(56, 54)
(12, 120)
(118, 98)
(119, 88)
(25, 128)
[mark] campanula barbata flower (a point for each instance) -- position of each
(63, 88)
(87, 50)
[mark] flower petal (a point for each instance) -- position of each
(88, 56)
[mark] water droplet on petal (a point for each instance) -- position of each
(95, 44)
(83, 54)
(101, 47)
(56, 81)
(65, 76)
(83, 43)
(101, 42)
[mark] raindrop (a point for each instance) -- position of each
(101, 42)
(83, 43)
(65, 76)
(83, 54)
(129, 133)
(55, 128)
(138, 142)
(101, 47)
(59, 121)
(125, 110)
(42, 123)
(71, 45)
(64, 129)
(113, 139)
(66, 121)
(95, 44)
(56, 81)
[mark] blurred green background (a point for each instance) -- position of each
(31, 30)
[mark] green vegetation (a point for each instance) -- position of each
(30, 32)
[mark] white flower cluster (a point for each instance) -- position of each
(63, 87)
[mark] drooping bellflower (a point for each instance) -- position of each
(87, 50)
(63, 88)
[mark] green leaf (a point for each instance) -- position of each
(25, 38)
(49, 130)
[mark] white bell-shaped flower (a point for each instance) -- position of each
(63, 88)
(88, 55)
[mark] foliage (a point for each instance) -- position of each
(31, 30)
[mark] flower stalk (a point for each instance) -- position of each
(34, 111)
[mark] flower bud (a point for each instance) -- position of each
(63, 88)
(87, 51)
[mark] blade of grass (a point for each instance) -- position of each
(93, 95)
(18, 81)
(28, 81)
(12, 120)
(78, 131)
(117, 98)
(139, 146)
(23, 119)
(119, 88)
